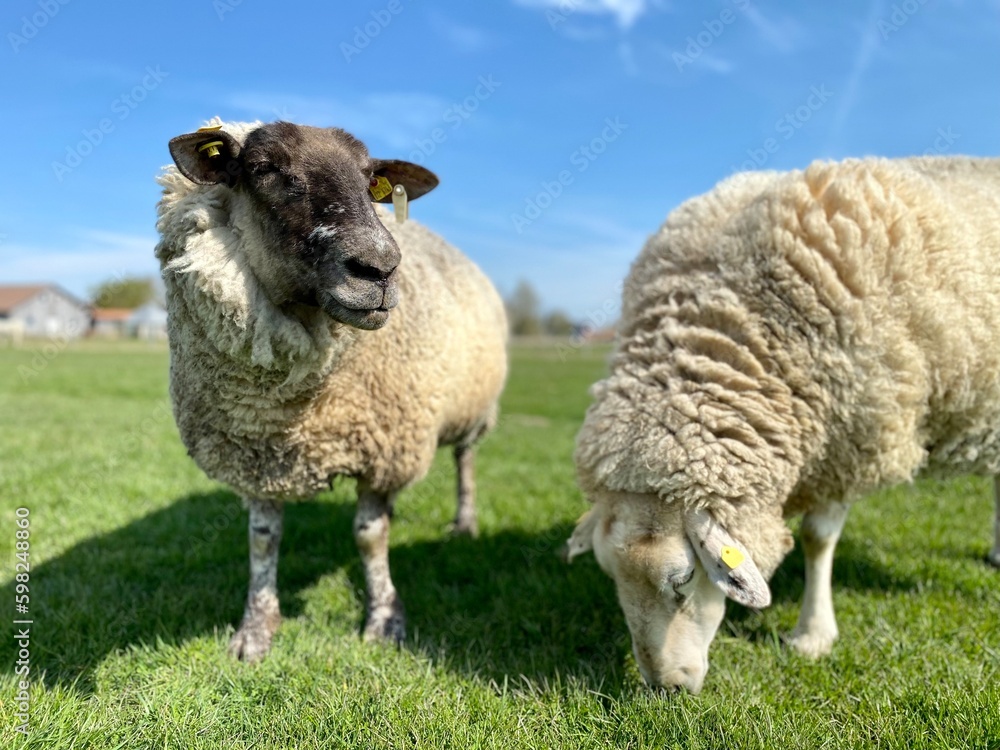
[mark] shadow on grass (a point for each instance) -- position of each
(499, 607)
(502, 604)
(853, 570)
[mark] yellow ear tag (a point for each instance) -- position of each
(732, 557)
(209, 128)
(212, 147)
(379, 187)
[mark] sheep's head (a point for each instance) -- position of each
(673, 571)
(306, 195)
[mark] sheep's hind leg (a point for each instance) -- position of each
(994, 556)
(817, 626)
(262, 615)
(465, 523)
(385, 616)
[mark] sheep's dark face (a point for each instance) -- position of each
(309, 192)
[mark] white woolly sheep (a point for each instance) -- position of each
(287, 368)
(789, 342)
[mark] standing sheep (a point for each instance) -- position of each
(789, 342)
(287, 368)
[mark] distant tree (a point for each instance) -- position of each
(557, 323)
(129, 292)
(523, 310)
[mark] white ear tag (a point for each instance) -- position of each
(400, 203)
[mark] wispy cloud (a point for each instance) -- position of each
(87, 258)
(709, 61)
(626, 12)
(628, 59)
(394, 119)
(587, 34)
(782, 33)
(85, 69)
(461, 37)
(862, 61)
(714, 63)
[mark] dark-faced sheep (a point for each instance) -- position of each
(311, 338)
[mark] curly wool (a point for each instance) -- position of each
(276, 402)
(792, 339)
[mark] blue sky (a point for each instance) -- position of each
(563, 131)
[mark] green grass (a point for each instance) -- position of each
(139, 573)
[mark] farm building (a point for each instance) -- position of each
(148, 322)
(110, 322)
(43, 310)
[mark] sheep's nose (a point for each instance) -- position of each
(372, 271)
(684, 678)
(689, 678)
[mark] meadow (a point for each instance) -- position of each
(139, 572)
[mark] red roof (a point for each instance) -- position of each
(12, 296)
(111, 314)
(16, 294)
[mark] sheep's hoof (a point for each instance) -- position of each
(467, 527)
(812, 645)
(251, 642)
(386, 623)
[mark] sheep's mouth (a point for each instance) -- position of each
(368, 319)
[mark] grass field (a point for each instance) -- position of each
(139, 572)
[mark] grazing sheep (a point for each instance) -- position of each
(789, 342)
(287, 368)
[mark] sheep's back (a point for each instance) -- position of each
(835, 326)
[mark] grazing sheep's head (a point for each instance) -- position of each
(307, 194)
(673, 571)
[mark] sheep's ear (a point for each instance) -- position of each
(207, 157)
(582, 539)
(727, 562)
(417, 180)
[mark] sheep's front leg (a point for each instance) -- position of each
(465, 516)
(386, 619)
(994, 556)
(817, 626)
(262, 616)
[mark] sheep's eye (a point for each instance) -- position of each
(295, 185)
(680, 589)
(259, 168)
(682, 579)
